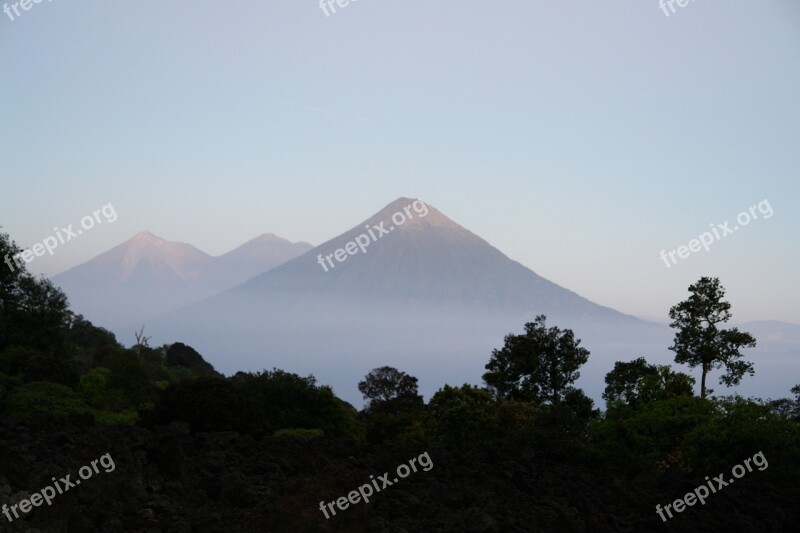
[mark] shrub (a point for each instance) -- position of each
(44, 398)
(92, 387)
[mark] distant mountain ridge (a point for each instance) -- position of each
(148, 275)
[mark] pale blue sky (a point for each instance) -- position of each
(579, 137)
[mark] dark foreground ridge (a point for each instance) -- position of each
(167, 479)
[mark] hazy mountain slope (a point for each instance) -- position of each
(252, 258)
(148, 275)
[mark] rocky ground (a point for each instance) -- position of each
(167, 479)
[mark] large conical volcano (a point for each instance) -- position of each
(427, 259)
(406, 287)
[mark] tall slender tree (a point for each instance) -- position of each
(700, 342)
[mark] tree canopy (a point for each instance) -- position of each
(387, 383)
(700, 342)
(637, 382)
(539, 366)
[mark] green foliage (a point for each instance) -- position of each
(20, 361)
(468, 418)
(518, 424)
(575, 411)
(344, 418)
(38, 316)
(259, 403)
(33, 364)
(463, 417)
(738, 428)
(110, 406)
(786, 407)
(651, 436)
(382, 427)
(84, 340)
(277, 400)
(637, 382)
(44, 398)
(33, 312)
(624, 382)
(86, 335)
(538, 366)
(697, 437)
(183, 356)
(93, 387)
(395, 408)
(699, 342)
(129, 374)
(301, 434)
(41, 340)
(33, 316)
(559, 430)
(666, 384)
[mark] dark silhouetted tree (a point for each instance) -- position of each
(638, 381)
(395, 409)
(538, 366)
(387, 383)
(179, 354)
(699, 342)
(34, 314)
(275, 399)
(463, 417)
(788, 407)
